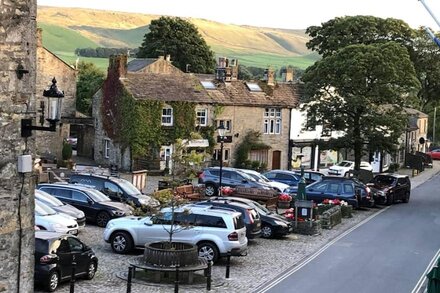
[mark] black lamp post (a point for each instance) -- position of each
(221, 134)
(54, 96)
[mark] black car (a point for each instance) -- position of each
(96, 206)
(250, 215)
(210, 177)
(54, 254)
(387, 188)
(117, 189)
(350, 190)
(272, 224)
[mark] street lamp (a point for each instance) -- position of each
(221, 135)
(54, 96)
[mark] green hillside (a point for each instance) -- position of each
(68, 29)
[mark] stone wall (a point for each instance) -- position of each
(48, 67)
(17, 96)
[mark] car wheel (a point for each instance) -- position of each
(102, 219)
(208, 251)
(121, 242)
(210, 190)
(53, 281)
(405, 199)
(91, 270)
(390, 199)
(267, 231)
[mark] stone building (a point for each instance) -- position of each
(261, 106)
(17, 100)
(49, 66)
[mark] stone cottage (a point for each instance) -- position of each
(201, 102)
(17, 99)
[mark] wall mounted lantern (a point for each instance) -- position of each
(54, 96)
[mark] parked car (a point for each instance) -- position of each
(96, 206)
(48, 219)
(61, 207)
(387, 188)
(54, 254)
(284, 176)
(350, 190)
(250, 216)
(215, 231)
(310, 176)
(435, 154)
(117, 189)
(230, 177)
(272, 224)
(261, 178)
(343, 168)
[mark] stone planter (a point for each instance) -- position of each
(331, 217)
(166, 254)
(304, 228)
(347, 211)
(283, 204)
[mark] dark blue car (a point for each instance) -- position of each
(350, 190)
(284, 176)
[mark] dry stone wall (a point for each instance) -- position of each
(17, 97)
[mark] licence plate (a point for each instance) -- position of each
(74, 232)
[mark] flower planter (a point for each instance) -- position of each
(304, 228)
(347, 211)
(331, 217)
(284, 204)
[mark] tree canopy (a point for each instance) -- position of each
(181, 40)
(90, 78)
(359, 90)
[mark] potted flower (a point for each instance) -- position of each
(284, 201)
(227, 190)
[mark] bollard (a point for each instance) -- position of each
(129, 277)
(176, 282)
(228, 264)
(208, 277)
(72, 278)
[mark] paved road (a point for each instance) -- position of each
(389, 253)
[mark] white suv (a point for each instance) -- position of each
(343, 168)
(216, 231)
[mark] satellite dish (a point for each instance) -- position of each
(421, 140)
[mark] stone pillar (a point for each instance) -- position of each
(17, 98)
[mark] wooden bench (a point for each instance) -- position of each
(189, 192)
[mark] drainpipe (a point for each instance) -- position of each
(290, 143)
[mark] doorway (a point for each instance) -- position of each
(276, 160)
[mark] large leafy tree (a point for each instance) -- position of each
(182, 41)
(359, 90)
(90, 78)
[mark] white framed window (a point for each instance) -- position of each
(226, 123)
(202, 117)
(106, 148)
(167, 116)
(272, 121)
(226, 155)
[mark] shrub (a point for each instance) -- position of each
(66, 151)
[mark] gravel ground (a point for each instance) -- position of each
(266, 259)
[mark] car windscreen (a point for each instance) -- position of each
(98, 196)
(262, 210)
(48, 199)
(384, 180)
(129, 188)
(344, 164)
(43, 210)
(247, 176)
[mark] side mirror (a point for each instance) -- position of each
(244, 181)
(148, 223)
(90, 201)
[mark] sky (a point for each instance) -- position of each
(291, 14)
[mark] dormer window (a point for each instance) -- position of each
(167, 116)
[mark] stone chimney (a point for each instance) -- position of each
(118, 63)
(234, 69)
(269, 76)
(39, 37)
(289, 75)
(168, 58)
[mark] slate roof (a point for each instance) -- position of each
(187, 87)
(138, 64)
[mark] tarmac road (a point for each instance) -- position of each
(388, 253)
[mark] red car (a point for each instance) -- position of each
(435, 154)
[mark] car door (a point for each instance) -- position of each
(65, 195)
(348, 191)
(400, 188)
(333, 190)
(82, 201)
(227, 179)
(80, 257)
(114, 192)
(155, 232)
(188, 232)
(317, 192)
(62, 249)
